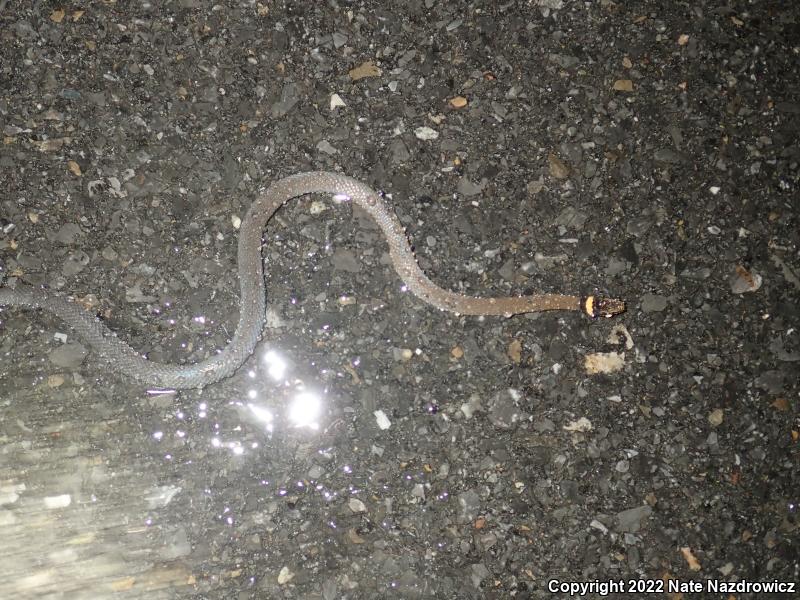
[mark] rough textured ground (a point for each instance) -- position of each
(646, 149)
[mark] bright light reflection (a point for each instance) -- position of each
(158, 435)
(263, 415)
(276, 366)
(305, 410)
(236, 448)
(159, 392)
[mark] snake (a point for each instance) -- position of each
(121, 357)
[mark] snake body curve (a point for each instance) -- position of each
(120, 356)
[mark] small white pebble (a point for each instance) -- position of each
(356, 505)
(382, 420)
(716, 416)
(583, 424)
(317, 207)
(236, 222)
(61, 501)
(336, 101)
(598, 525)
(726, 569)
(285, 576)
(426, 133)
(714, 189)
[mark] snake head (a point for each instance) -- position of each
(597, 306)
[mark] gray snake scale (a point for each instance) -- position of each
(120, 356)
